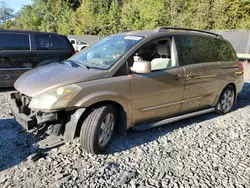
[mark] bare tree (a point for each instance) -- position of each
(6, 12)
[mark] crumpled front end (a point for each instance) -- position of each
(37, 120)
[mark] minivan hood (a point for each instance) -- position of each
(52, 76)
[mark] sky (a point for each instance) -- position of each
(17, 4)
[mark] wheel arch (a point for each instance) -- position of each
(120, 114)
(235, 91)
(231, 83)
(73, 127)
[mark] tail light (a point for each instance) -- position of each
(74, 52)
(241, 67)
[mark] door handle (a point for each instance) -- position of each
(191, 75)
(177, 77)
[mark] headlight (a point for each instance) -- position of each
(55, 98)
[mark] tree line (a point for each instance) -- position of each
(104, 17)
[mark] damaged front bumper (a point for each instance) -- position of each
(30, 119)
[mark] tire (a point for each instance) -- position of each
(226, 100)
(97, 129)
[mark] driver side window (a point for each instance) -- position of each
(159, 53)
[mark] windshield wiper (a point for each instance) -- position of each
(95, 65)
(73, 63)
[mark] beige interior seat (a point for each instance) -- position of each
(164, 61)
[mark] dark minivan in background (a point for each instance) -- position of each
(21, 51)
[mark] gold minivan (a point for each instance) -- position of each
(137, 80)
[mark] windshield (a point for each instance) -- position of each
(106, 52)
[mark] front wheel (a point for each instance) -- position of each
(97, 129)
(226, 100)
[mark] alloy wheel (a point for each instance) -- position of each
(227, 100)
(106, 129)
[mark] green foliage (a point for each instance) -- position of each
(86, 22)
(28, 19)
(100, 6)
(105, 17)
(144, 14)
(112, 23)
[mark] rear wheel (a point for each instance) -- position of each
(97, 129)
(226, 100)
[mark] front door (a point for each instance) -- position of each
(157, 94)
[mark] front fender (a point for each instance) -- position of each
(104, 96)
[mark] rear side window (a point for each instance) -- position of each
(224, 51)
(195, 49)
(50, 42)
(14, 42)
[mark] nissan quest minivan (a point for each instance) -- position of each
(138, 80)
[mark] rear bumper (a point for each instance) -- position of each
(27, 118)
(239, 84)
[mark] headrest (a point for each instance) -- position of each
(163, 49)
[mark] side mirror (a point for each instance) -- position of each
(141, 67)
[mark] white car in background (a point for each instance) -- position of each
(78, 45)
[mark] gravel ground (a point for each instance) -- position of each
(206, 151)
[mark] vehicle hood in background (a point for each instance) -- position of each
(52, 76)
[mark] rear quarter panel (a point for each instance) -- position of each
(229, 75)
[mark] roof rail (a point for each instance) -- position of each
(160, 29)
(124, 31)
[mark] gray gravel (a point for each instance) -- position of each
(206, 151)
